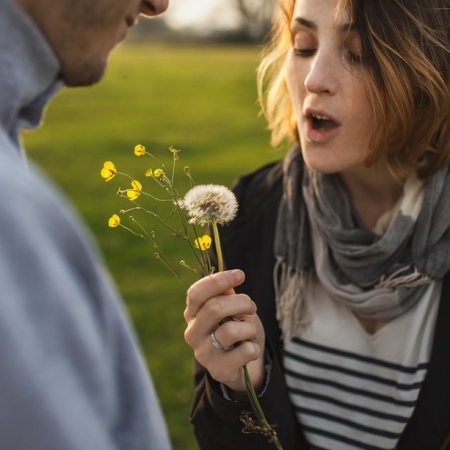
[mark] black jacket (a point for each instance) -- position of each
(248, 245)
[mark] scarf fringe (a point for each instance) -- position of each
(293, 309)
(411, 280)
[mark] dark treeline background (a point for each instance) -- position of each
(252, 26)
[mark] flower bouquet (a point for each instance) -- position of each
(203, 206)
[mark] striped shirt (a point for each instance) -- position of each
(355, 390)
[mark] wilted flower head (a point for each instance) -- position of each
(211, 202)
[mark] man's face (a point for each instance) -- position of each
(83, 33)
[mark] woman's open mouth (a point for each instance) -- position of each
(322, 123)
(321, 128)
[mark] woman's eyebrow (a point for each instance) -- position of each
(348, 27)
(306, 23)
(343, 28)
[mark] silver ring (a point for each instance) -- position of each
(216, 344)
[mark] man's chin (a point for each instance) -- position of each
(85, 75)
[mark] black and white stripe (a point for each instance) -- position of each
(352, 390)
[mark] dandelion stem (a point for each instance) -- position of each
(248, 381)
(218, 246)
(257, 407)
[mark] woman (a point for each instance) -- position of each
(345, 245)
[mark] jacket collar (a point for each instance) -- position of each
(29, 71)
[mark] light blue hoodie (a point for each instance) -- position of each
(71, 373)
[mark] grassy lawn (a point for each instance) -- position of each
(201, 100)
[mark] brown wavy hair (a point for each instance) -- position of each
(406, 51)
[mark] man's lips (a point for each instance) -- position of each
(130, 21)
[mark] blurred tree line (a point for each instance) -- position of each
(253, 26)
(256, 18)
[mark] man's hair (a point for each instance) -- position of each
(406, 60)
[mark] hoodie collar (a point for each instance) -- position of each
(29, 71)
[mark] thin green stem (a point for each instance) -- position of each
(257, 407)
(218, 246)
(159, 252)
(185, 224)
(248, 381)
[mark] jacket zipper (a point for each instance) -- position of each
(445, 445)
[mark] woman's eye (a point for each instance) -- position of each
(304, 52)
(355, 58)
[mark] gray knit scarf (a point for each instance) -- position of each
(376, 276)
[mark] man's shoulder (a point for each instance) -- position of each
(14, 170)
(10, 155)
(23, 184)
(34, 210)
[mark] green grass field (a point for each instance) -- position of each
(201, 100)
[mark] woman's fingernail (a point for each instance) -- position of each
(236, 276)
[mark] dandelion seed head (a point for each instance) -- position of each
(211, 202)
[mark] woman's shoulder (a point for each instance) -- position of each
(259, 189)
(258, 194)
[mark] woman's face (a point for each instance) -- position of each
(324, 71)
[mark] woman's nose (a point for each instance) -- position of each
(322, 74)
(153, 7)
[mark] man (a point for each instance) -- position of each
(71, 375)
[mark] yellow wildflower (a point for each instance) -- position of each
(149, 173)
(114, 221)
(134, 193)
(139, 150)
(109, 171)
(158, 173)
(203, 243)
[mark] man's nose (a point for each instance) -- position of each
(153, 7)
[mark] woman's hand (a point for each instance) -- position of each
(209, 301)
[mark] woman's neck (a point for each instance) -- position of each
(372, 191)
